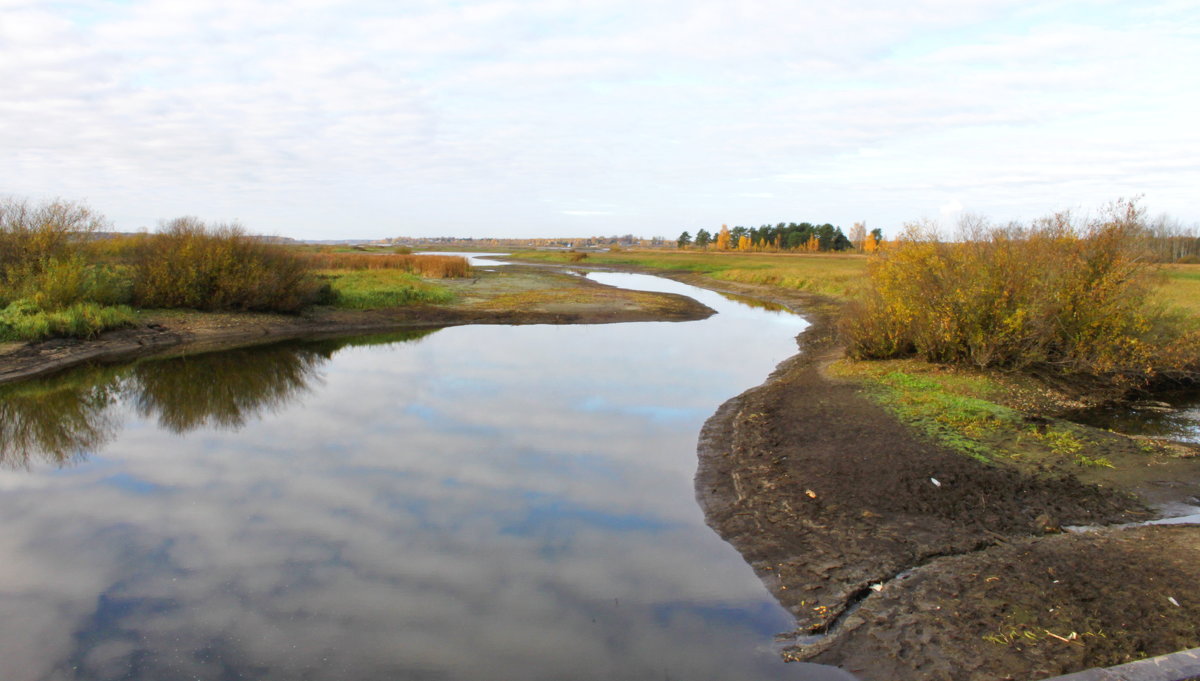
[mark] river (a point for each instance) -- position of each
(478, 502)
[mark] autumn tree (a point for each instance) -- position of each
(873, 241)
(723, 238)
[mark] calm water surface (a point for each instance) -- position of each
(1177, 418)
(472, 503)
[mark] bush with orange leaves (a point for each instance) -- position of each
(189, 264)
(1078, 297)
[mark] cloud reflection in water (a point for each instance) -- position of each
(492, 502)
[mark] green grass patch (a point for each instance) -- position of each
(1181, 288)
(961, 410)
(373, 289)
(966, 424)
(24, 320)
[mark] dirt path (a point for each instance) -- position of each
(829, 499)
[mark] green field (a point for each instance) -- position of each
(835, 275)
(1183, 287)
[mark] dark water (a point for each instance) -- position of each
(1176, 417)
(473, 503)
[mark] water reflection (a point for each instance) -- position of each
(756, 303)
(57, 420)
(494, 502)
(61, 419)
(1177, 417)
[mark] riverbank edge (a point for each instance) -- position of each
(721, 485)
(170, 333)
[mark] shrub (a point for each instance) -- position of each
(39, 251)
(191, 265)
(31, 234)
(1056, 293)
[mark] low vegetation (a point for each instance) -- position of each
(430, 266)
(47, 286)
(61, 274)
(378, 288)
(188, 264)
(985, 415)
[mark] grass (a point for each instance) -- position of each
(959, 420)
(976, 414)
(373, 289)
(837, 275)
(1182, 288)
(24, 320)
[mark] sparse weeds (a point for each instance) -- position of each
(1028, 636)
(946, 407)
(967, 424)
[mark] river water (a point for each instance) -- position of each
(480, 502)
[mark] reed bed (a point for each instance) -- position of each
(428, 266)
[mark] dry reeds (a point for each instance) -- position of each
(429, 266)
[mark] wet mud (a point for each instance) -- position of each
(903, 560)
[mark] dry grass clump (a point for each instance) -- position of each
(1076, 297)
(429, 266)
(188, 264)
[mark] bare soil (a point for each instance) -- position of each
(512, 295)
(903, 560)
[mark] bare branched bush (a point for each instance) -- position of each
(1058, 292)
(33, 233)
(188, 264)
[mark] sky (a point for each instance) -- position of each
(541, 118)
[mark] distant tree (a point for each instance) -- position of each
(723, 238)
(873, 241)
(703, 238)
(858, 236)
(744, 243)
(684, 240)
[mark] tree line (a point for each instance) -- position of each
(790, 236)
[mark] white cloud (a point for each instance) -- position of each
(372, 119)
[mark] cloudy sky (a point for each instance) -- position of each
(363, 119)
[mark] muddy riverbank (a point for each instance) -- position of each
(515, 295)
(903, 560)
